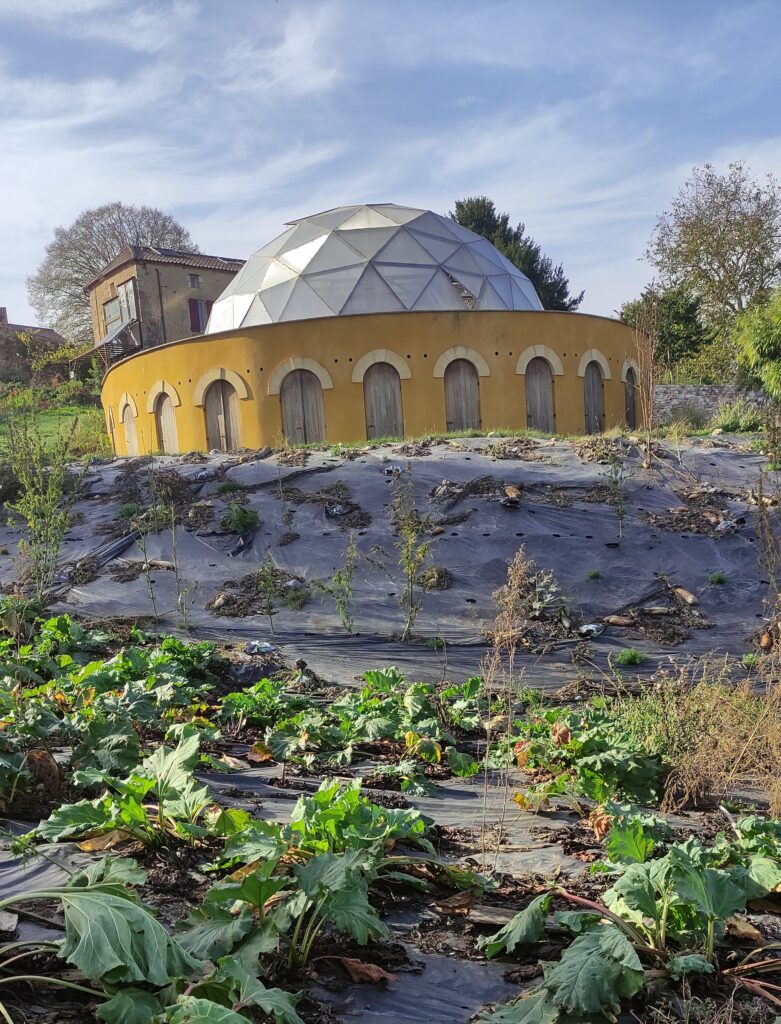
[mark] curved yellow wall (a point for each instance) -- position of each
(340, 348)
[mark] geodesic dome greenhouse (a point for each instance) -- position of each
(370, 259)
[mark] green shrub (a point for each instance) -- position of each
(750, 660)
(593, 574)
(717, 578)
(240, 520)
(630, 656)
(737, 418)
(129, 510)
(229, 487)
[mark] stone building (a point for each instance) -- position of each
(370, 322)
(15, 355)
(151, 296)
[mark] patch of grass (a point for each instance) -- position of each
(229, 487)
(435, 577)
(630, 656)
(240, 520)
(531, 699)
(750, 660)
(717, 578)
(737, 418)
(593, 574)
(129, 510)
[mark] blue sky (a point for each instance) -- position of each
(579, 117)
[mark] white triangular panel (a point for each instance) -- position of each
(333, 218)
(369, 242)
(406, 282)
(440, 294)
(304, 303)
(489, 299)
(272, 247)
(434, 225)
(484, 252)
(221, 316)
(366, 217)
(335, 286)
(461, 232)
(333, 253)
(520, 299)
(256, 315)
(304, 232)
(275, 299)
(399, 214)
(372, 295)
(440, 248)
(501, 285)
(241, 305)
(402, 248)
(462, 260)
(277, 273)
(300, 257)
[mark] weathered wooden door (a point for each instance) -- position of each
(594, 398)
(462, 395)
(129, 426)
(303, 418)
(382, 401)
(165, 420)
(630, 399)
(221, 408)
(539, 396)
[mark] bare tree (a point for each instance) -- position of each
(78, 252)
(646, 337)
(721, 238)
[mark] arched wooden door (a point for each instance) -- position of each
(303, 418)
(129, 426)
(630, 398)
(594, 398)
(382, 401)
(539, 396)
(221, 408)
(462, 395)
(165, 421)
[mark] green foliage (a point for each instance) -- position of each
(593, 574)
(630, 656)
(479, 214)
(524, 929)
(682, 332)
(757, 336)
(737, 418)
(45, 498)
(240, 520)
(717, 579)
(340, 585)
(229, 487)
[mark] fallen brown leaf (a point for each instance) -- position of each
(362, 972)
(259, 754)
(739, 928)
(44, 769)
(461, 903)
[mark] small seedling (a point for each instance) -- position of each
(240, 520)
(750, 660)
(593, 574)
(630, 656)
(129, 510)
(717, 578)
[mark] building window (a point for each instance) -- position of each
(126, 294)
(111, 314)
(194, 280)
(121, 309)
(199, 314)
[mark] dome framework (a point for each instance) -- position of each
(380, 258)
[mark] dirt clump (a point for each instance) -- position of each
(522, 448)
(451, 494)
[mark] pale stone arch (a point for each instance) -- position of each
(630, 364)
(127, 399)
(594, 356)
(233, 378)
(542, 352)
(158, 388)
(381, 355)
(299, 363)
(461, 352)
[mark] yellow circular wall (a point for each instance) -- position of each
(340, 351)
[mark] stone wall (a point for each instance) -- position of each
(699, 403)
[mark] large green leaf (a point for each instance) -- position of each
(172, 769)
(130, 1006)
(757, 877)
(254, 889)
(537, 1008)
(629, 843)
(212, 931)
(524, 929)
(692, 963)
(110, 744)
(712, 892)
(349, 910)
(117, 940)
(72, 820)
(190, 1010)
(599, 969)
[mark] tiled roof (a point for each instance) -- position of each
(149, 254)
(44, 333)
